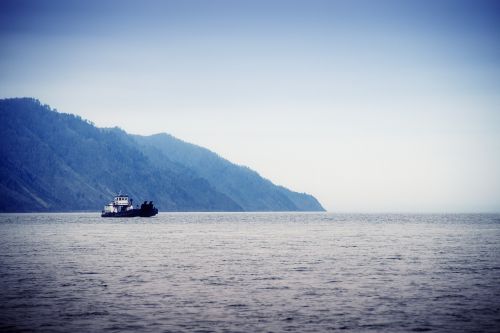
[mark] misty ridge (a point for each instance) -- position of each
(53, 161)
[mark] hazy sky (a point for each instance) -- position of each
(371, 106)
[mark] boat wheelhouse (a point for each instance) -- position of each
(121, 203)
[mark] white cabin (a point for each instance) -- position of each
(122, 200)
(120, 203)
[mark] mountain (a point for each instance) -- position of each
(52, 161)
(245, 186)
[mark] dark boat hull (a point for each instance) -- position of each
(133, 213)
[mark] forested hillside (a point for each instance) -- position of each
(243, 185)
(52, 161)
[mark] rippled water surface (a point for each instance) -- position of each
(250, 273)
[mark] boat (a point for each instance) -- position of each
(122, 206)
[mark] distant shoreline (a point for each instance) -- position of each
(272, 212)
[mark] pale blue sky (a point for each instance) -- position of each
(371, 106)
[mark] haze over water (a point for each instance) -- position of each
(250, 272)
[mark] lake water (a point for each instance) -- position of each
(250, 272)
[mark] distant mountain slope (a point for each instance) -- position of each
(243, 185)
(58, 162)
